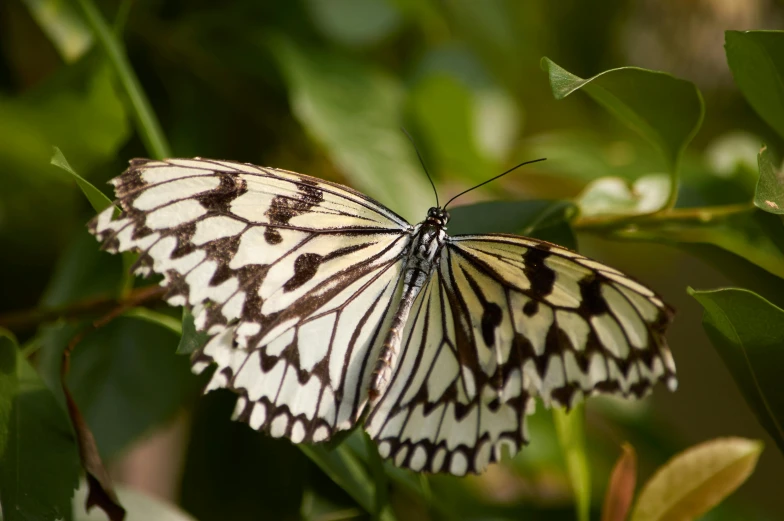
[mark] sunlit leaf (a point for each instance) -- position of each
(756, 59)
(355, 112)
(665, 110)
(154, 317)
(748, 333)
(769, 195)
(614, 196)
(63, 25)
(39, 460)
(97, 199)
(445, 111)
(696, 480)
(756, 236)
(570, 428)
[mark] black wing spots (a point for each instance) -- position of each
(213, 315)
(305, 268)
(222, 251)
(531, 308)
(464, 344)
(491, 319)
(283, 208)
(592, 302)
(176, 285)
(131, 180)
(526, 351)
(218, 200)
(564, 394)
(541, 276)
(348, 250)
(492, 316)
(272, 236)
(140, 231)
(184, 235)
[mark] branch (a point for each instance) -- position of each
(705, 214)
(29, 318)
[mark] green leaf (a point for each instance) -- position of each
(376, 465)
(444, 111)
(354, 112)
(97, 199)
(756, 59)
(769, 195)
(696, 480)
(154, 317)
(614, 196)
(147, 123)
(739, 271)
(347, 471)
(76, 109)
(665, 110)
(753, 235)
(63, 25)
(748, 333)
(125, 378)
(191, 340)
(354, 22)
(82, 271)
(546, 220)
(570, 427)
(39, 459)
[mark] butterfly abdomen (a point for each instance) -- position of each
(429, 237)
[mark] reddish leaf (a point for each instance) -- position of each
(620, 490)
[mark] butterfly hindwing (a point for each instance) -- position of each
(442, 411)
(293, 276)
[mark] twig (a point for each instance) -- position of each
(101, 491)
(702, 214)
(29, 318)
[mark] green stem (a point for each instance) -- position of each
(148, 126)
(705, 214)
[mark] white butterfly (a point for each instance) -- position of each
(326, 309)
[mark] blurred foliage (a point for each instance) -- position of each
(323, 87)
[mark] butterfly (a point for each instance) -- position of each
(326, 310)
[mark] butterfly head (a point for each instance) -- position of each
(438, 215)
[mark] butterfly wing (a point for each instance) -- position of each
(292, 276)
(504, 319)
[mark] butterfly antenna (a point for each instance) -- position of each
(493, 179)
(422, 162)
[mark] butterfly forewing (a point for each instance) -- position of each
(294, 277)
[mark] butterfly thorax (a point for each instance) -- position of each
(428, 238)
